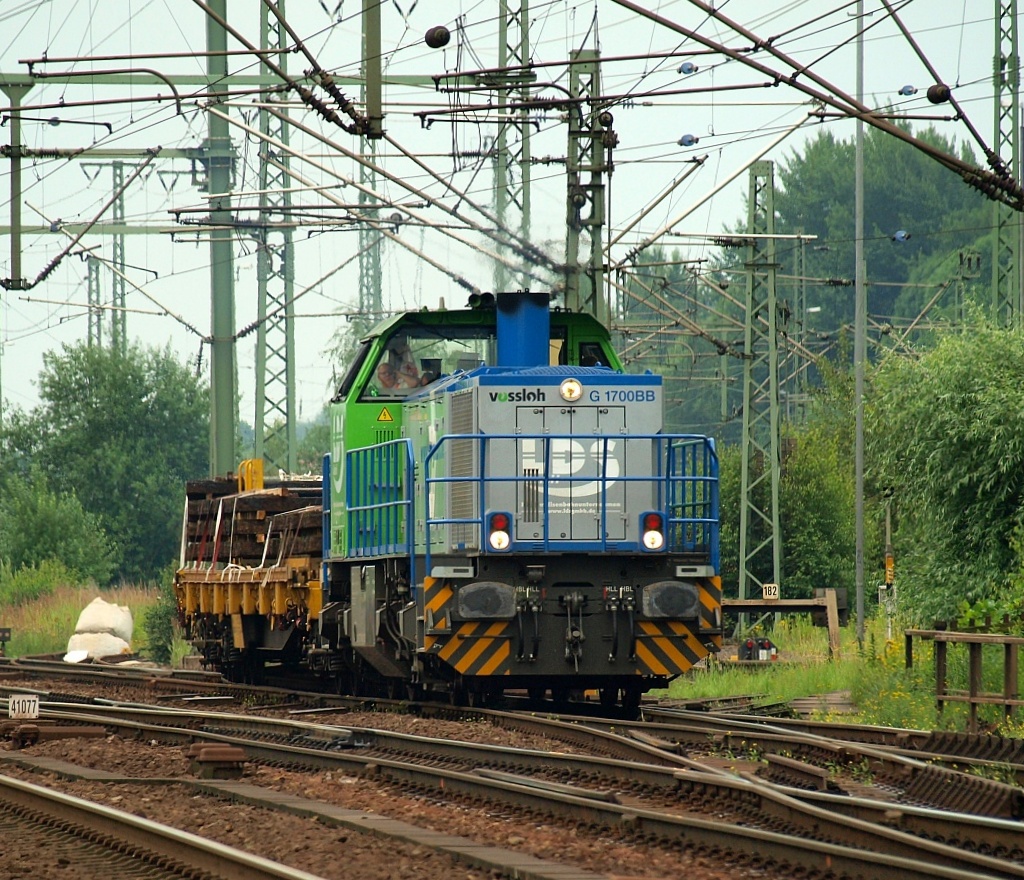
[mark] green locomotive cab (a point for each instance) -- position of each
(414, 349)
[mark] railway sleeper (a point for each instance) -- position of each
(798, 774)
(216, 761)
(24, 735)
(960, 791)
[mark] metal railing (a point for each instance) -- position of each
(380, 510)
(684, 487)
(379, 494)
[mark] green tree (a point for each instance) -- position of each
(947, 434)
(122, 434)
(903, 190)
(816, 501)
(315, 442)
(36, 525)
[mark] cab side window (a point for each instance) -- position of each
(591, 355)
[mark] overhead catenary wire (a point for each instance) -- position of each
(394, 178)
(9, 283)
(473, 191)
(654, 237)
(381, 227)
(302, 91)
(996, 187)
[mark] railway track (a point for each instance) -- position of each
(651, 780)
(662, 802)
(899, 759)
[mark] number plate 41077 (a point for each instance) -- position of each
(23, 706)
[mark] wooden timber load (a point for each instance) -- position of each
(253, 528)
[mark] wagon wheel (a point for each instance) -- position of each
(609, 696)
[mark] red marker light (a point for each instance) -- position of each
(500, 522)
(652, 522)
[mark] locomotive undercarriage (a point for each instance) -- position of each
(550, 627)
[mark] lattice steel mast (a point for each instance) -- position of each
(275, 421)
(512, 145)
(761, 462)
(1006, 247)
(588, 161)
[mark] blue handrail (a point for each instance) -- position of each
(380, 492)
(685, 488)
(379, 483)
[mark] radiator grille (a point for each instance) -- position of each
(531, 495)
(463, 464)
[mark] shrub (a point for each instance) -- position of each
(160, 623)
(32, 582)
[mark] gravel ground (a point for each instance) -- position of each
(334, 852)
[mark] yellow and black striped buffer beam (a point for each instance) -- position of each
(437, 596)
(483, 648)
(471, 648)
(666, 647)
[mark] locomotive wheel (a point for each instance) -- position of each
(457, 693)
(484, 696)
(343, 683)
(535, 693)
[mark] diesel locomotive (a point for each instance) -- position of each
(501, 509)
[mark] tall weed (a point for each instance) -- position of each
(44, 625)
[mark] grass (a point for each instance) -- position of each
(45, 625)
(880, 687)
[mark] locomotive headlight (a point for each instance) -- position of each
(652, 526)
(571, 390)
(499, 531)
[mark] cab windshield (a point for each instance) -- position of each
(416, 356)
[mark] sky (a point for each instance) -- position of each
(723, 104)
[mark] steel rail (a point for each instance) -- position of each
(125, 831)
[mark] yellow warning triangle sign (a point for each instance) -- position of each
(384, 416)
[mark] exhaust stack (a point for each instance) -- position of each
(524, 329)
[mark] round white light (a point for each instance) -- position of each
(499, 540)
(571, 390)
(654, 540)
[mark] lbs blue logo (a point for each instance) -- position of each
(537, 395)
